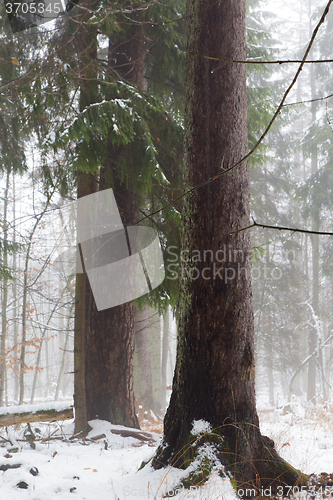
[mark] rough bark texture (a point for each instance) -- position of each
(85, 43)
(83, 298)
(110, 341)
(127, 54)
(110, 333)
(214, 376)
(109, 391)
(86, 184)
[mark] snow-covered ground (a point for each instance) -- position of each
(106, 468)
(302, 436)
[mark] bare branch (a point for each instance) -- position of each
(281, 228)
(275, 61)
(39, 416)
(309, 100)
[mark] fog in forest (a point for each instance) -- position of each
(291, 187)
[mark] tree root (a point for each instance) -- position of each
(253, 470)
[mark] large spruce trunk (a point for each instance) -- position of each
(110, 340)
(85, 43)
(83, 298)
(214, 375)
(110, 333)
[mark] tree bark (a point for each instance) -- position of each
(109, 391)
(214, 375)
(110, 341)
(86, 47)
(110, 333)
(83, 297)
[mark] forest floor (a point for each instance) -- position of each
(104, 465)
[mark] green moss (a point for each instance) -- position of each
(234, 484)
(198, 476)
(282, 467)
(188, 452)
(271, 470)
(46, 412)
(194, 450)
(115, 414)
(280, 471)
(144, 463)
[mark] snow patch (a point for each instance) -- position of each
(200, 427)
(107, 467)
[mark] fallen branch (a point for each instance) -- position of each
(38, 416)
(5, 467)
(141, 435)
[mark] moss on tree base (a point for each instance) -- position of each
(213, 451)
(276, 472)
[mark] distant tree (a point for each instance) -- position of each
(142, 365)
(279, 281)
